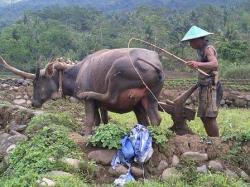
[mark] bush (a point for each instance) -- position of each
(108, 136)
(30, 159)
(240, 72)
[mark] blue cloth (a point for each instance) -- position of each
(137, 147)
(123, 179)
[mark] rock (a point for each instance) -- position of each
(196, 156)
(18, 97)
(74, 163)
(215, 165)
(45, 182)
(103, 157)
(162, 165)
(15, 88)
(202, 169)
(222, 102)
(3, 137)
(73, 100)
(240, 102)
(10, 148)
(137, 172)
(248, 97)
(170, 173)
(175, 161)
(244, 176)
(57, 173)
(17, 138)
(15, 127)
(28, 102)
(26, 97)
(52, 159)
(19, 101)
(119, 170)
(4, 85)
(231, 174)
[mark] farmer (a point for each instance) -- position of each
(210, 91)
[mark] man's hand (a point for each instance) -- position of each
(193, 64)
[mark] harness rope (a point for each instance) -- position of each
(165, 51)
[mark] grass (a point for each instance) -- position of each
(230, 121)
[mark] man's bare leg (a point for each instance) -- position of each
(211, 126)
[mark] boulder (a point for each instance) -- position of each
(240, 102)
(196, 156)
(248, 97)
(73, 100)
(231, 174)
(57, 173)
(17, 138)
(19, 101)
(244, 176)
(103, 157)
(137, 172)
(10, 148)
(215, 165)
(175, 161)
(4, 85)
(170, 173)
(74, 163)
(162, 165)
(202, 169)
(45, 182)
(119, 170)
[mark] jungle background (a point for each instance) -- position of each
(43, 146)
(74, 29)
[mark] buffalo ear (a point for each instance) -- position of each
(49, 70)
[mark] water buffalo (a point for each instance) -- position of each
(105, 80)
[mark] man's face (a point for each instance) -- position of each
(196, 43)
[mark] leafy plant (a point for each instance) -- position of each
(108, 136)
(160, 136)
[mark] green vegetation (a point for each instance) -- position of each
(31, 159)
(74, 32)
(204, 180)
(108, 136)
(228, 84)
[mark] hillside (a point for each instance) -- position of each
(9, 12)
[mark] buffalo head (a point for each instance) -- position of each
(45, 81)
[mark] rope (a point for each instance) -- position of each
(165, 51)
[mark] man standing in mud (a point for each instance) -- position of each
(210, 91)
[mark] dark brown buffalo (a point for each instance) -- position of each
(105, 80)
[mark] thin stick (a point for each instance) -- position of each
(170, 54)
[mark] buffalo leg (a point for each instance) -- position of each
(140, 114)
(97, 119)
(90, 117)
(151, 108)
(104, 115)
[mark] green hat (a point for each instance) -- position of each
(195, 32)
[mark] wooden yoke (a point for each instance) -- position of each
(180, 113)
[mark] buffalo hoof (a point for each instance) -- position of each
(86, 132)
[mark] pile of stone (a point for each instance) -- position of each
(13, 122)
(16, 91)
(167, 170)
